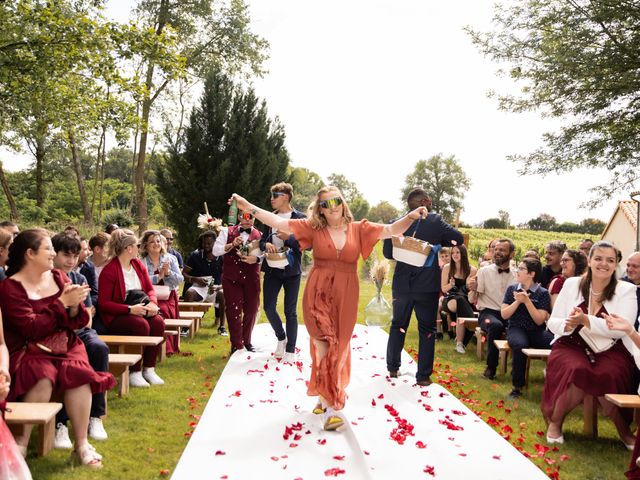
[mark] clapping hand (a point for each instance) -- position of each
(616, 322)
(5, 383)
(575, 318)
(521, 296)
(74, 295)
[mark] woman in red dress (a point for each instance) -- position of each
(574, 370)
(41, 310)
(330, 301)
(124, 273)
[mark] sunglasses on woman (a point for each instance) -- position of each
(331, 202)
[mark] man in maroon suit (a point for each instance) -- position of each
(240, 280)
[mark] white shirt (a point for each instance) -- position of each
(492, 286)
(131, 279)
(275, 239)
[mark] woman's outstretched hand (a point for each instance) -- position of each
(242, 203)
(418, 213)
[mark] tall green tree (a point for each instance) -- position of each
(357, 203)
(544, 221)
(204, 33)
(444, 179)
(576, 60)
(383, 212)
(305, 185)
(230, 145)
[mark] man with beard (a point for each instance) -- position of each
(488, 287)
(552, 254)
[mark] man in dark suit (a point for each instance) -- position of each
(417, 289)
(288, 278)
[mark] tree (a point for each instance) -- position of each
(592, 226)
(505, 218)
(444, 179)
(230, 145)
(305, 185)
(544, 221)
(577, 60)
(497, 223)
(383, 212)
(357, 204)
(204, 33)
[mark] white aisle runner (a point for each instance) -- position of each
(258, 424)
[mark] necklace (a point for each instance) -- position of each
(595, 293)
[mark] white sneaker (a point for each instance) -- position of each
(96, 429)
(280, 348)
(152, 377)
(289, 357)
(460, 348)
(137, 380)
(62, 439)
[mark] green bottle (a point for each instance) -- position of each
(233, 213)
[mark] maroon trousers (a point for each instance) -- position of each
(242, 299)
(138, 326)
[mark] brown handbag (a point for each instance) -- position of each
(56, 344)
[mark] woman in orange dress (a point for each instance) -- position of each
(330, 301)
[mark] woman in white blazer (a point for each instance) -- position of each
(574, 368)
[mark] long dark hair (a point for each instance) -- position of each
(465, 268)
(585, 282)
(579, 260)
(27, 239)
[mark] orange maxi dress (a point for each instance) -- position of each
(330, 302)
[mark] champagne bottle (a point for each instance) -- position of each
(233, 213)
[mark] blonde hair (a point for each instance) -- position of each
(147, 237)
(317, 219)
(120, 240)
(6, 237)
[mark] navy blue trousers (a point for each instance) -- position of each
(425, 306)
(98, 354)
(518, 339)
(273, 283)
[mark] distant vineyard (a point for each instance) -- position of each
(525, 240)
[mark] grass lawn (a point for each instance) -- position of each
(149, 428)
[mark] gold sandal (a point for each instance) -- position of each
(319, 409)
(333, 422)
(87, 457)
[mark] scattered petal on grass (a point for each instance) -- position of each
(164, 472)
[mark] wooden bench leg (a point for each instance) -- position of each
(526, 373)
(479, 343)
(124, 382)
(46, 434)
(590, 413)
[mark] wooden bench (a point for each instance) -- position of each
(162, 354)
(130, 343)
(195, 316)
(626, 401)
(503, 354)
(41, 414)
(177, 323)
(471, 323)
(534, 354)
(119, 364)
(195, 306)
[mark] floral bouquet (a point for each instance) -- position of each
(378, 312)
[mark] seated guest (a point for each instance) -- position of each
(67, 248)
(576, 369)
(13, 466)
(165, 276)
(240, 280)
(552, 254)
(99, 258)
(168, 236)
(12, 227)
(6, 239)
(487, 258)
(87, 269)
(487, 289)
(454, 286)
(585, 246)
(527, 306)
(41, 310)
(203, 277)
(125, 275)
(444, 257)
(573, 264)
(632, 274)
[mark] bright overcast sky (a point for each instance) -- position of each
(368, 88)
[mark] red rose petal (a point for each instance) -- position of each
(220, 452)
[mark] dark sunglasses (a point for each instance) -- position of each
(331, 203)
(245, 216)
(275, 195)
